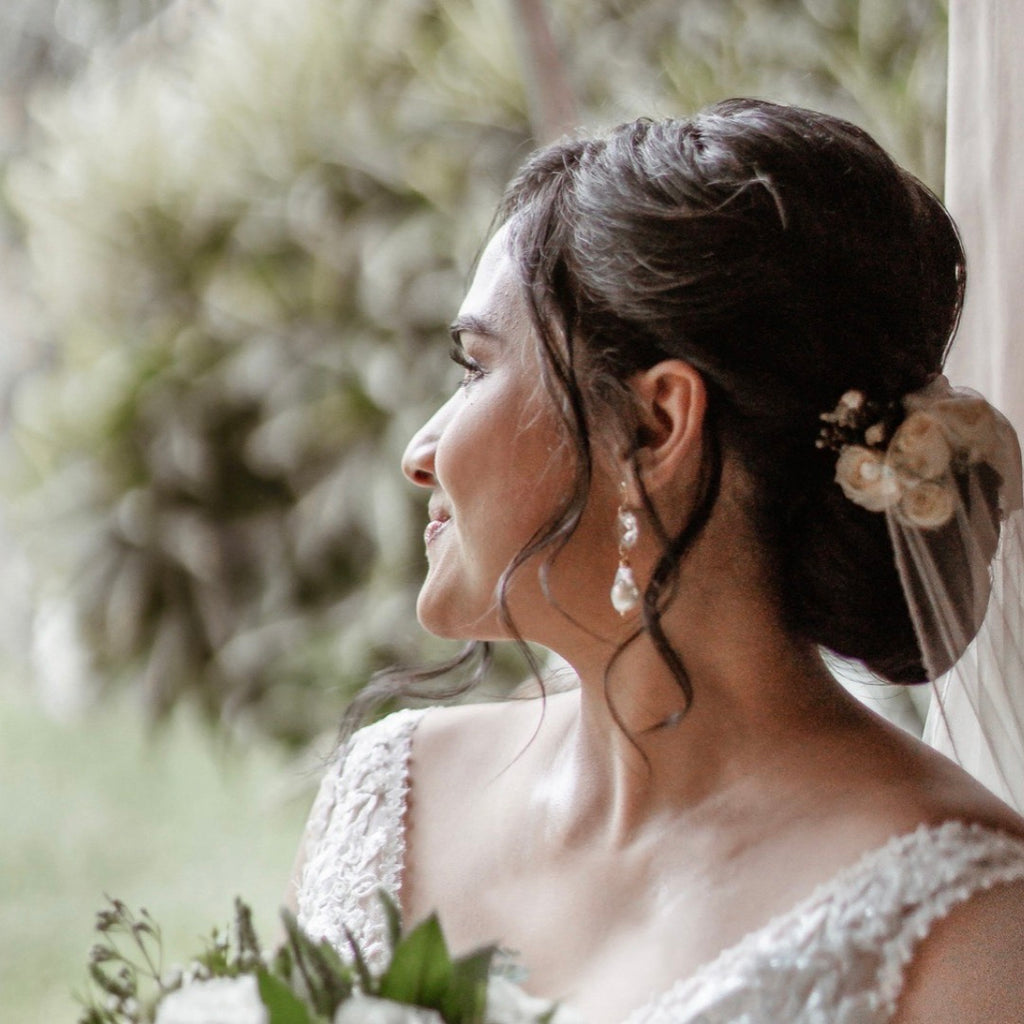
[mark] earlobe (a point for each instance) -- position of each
(671, 401)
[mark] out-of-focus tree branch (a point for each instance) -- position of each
(552, 103)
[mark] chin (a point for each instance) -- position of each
(452, 620)
(444, 619)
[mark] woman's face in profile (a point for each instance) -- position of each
(498, 466)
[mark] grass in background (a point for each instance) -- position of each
(165, 820)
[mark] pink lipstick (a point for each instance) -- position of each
(434, 527)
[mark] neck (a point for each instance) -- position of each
(633, 750)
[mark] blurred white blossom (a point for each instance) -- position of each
(507, 1003)
(368, 1010)
(215, 1001)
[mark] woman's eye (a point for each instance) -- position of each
(474, 371)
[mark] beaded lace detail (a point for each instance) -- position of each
(837, 957)
(355, 839)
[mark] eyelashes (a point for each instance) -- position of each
(474, 371)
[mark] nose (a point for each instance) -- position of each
(418, 457)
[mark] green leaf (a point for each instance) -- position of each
(394, 919)
(328, 980)
(248, 942)
(465, 1001)
(423, 973)
(362, 968)
(283, 1006)
(421, 968)
(334, 978)
(283, 962)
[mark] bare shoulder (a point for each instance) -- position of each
(491, 735)
(467, 796)
(907, 783)
(970, 967)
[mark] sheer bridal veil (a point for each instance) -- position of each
(977, 712)
(960, 553)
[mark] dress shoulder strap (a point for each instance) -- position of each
(937, 869)
(841, 954)
(355, 838)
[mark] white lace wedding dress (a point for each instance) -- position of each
(837, 957)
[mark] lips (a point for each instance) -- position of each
(439, 519)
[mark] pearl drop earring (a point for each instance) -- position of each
(625, 595)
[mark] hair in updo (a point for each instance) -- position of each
(787, 258)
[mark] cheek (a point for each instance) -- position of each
(504, 463)
(469, 449)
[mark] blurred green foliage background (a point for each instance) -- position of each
(232, 234)
(248, 223)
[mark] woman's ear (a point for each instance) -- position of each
(671, 404)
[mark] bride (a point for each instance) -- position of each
(701, 397)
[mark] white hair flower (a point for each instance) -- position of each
(912, 471)
(866, 479)
(919, 448)
(926, 505)
(971, 426)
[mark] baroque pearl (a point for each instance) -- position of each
(625, 595)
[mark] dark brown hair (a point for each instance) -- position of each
(783, 254)
(786, 257)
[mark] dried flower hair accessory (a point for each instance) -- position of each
(907, 467)
(945, 457)
(856, 420)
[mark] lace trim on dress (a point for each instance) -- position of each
(840, 955)
(837, 957)
(355, 839)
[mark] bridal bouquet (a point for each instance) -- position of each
(232, 981)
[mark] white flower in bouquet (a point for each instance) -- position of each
(507, 1003)
(305, 982)
(369, 1010)
(215, 1001)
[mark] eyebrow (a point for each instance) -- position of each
(472, 325)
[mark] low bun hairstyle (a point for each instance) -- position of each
(785, 256)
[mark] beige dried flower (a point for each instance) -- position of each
(919, 448)
(849, 408)
(926, 505)
(866, 479)
(875, 435)
(970, 425)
